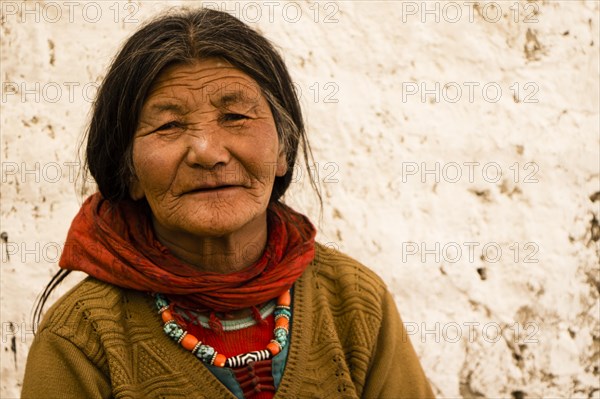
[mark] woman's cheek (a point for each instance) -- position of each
(151, 164)
(260, 154)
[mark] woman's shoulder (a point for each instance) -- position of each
(87, 300)
(331, 266)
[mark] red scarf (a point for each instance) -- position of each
(115, 243)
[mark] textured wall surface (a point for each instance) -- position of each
(457, 149)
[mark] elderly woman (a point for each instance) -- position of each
(202, 283)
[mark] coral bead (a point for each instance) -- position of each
(220, 360)
(273, 348)
(189, 342)
(282, 322)
(285, 299)
(166, 316)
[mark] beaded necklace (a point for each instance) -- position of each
(231, 325)
(209, 355)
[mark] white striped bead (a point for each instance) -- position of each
(244, 359)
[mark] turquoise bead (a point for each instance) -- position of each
(283, 311)
(205, 353)
(161, 302)
(281, 336)
(173, 330)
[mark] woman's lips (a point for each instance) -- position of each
(213, 189)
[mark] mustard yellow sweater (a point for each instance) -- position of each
(347, 341)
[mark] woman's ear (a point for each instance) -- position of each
(282, 166)
(136, 192)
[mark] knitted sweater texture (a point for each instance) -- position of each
(347, 341)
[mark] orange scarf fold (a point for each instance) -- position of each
(115, 243)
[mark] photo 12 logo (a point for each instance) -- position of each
(69, 11)
(48, 92)
(467, 11)
(470, 252)
(270, 11)
(469, 171)
(21, 330)
(455, 92)
(36, 172)
(470, 331)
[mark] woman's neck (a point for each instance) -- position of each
(225, 254)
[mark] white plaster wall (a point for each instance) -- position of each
(520, 323)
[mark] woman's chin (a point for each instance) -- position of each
(219, 222)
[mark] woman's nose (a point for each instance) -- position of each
(206, 147)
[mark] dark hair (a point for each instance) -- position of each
(173, 38)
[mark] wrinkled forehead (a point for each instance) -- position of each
(209, 81)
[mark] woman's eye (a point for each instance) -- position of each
(233, 117)
(167, 126)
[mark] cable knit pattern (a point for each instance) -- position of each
(347, 341)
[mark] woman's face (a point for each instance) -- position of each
(206, 151)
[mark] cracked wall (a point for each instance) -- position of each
(456, 146)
